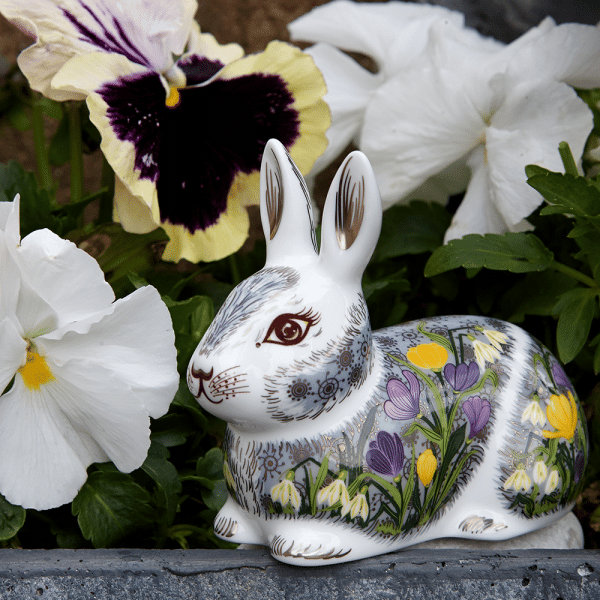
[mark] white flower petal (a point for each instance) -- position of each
(416, 125)
(66, 277)
(134, 339)
(392, 33)
(43, 459)
(349, 88)
(147, 32)
(12, 351)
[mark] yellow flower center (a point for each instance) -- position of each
(173, 98)
(35, 372)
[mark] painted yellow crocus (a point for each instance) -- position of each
(428, 356)
(562, 415)
(426, 466)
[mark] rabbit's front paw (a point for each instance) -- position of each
(233, 525)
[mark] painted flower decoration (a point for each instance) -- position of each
(534, 414)
(183, 119)
(461, 377)
(477, 410)
(552, 482)
(540, 472)
(87, 371)
(335, 492)
(562, 415)
(403, 403)
(386, 454)
(359, 505)
(452, 110)
(560, 377)
(286, 492)
(426, 466)
(484, 353)
(428, 356)
(496, 338)
(519, 480)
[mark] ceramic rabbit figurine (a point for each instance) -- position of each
(344, 443)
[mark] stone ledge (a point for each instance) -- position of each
(255, 575)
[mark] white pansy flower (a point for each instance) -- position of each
(540, 472)
(87, 371)
(286, 492)
(534, 414)
(452, 108)
(552, 482)
(519, 480)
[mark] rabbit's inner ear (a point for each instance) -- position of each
(349, 206)
(273, 193)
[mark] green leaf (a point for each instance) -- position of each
(412, 229)
(215, 498)
(172, 429)
(211, 464)
(110, 506)
(12, 518)
(515, 252)
(576, 309)
(567, 194)
(166, 478)
(396, 282)
(536, 294)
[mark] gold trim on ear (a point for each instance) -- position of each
(349, 208)
(274, 196)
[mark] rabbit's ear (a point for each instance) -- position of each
(351, 219)
(285, 208)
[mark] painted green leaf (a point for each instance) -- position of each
(12, 518)
(576, 309)
(412, 229)
(110, 506)
(515, 252)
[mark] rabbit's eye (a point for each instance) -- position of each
(289, 329)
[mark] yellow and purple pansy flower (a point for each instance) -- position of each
(183, 119)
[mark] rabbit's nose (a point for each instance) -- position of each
(201, 375)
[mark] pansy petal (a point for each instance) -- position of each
(133, 339)
(12, 351)
(392, 33)
(205, 44)
(349, 88)
(146, 32)
(66, 277)
(42, 459)
(416, 125)
(132, 212)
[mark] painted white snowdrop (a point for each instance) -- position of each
(462, 112)
(80, 373)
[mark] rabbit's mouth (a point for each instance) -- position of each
(201, 376)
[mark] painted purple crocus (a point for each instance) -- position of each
(403, 403)
(386, 454)
(461, 377)
(560, 377)
(477, 411)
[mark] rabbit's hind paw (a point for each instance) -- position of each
(298, 551)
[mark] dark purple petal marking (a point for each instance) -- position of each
(461, 377)
(477, 411)
(198, 69)
(194, 150)
(386, 454)
(104, 39)
(403, 403)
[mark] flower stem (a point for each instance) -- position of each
(41, 151)
(76, 152)
(106, 200)
(567, 159)
(574, 273)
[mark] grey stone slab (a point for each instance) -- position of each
(253, 574)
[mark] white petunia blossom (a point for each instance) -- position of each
(87, 371)
(452, 110)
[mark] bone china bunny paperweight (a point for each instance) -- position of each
(344, 443)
